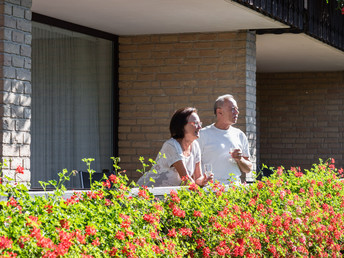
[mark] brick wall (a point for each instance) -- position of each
(15, 85)
(301, 118)
(161, 73)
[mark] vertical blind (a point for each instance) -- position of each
(71, 103)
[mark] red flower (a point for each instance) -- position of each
(185, 231)
(197, 214)
(5, 242)
(158, 207)
(45, 243)
(49, 208)
(96, 242)
(113, 179)
(279, 171)
(178, 212)
(126, 221)
(64, 223)
(206, 252)
(343, 10)
(20, 170)
(193, 187)
(150, 218)
(113, 251)
(298, 174)
(120, 235)
(174, 196)
(143, 193)
(260, 185)
(200, 243)
(129, 233)
(172, 232)
(90, 230)
(106, 184)
(36, 232)
(154, 234)
(81, 238)
(268, 201)
(12, 202)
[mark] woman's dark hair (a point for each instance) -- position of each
(179, 120)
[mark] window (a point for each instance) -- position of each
(72, 103)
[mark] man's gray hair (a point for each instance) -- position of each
(220, 100)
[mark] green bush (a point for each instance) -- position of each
(290, 214)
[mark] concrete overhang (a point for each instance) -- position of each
(275, 53)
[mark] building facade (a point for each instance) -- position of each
(290, 118)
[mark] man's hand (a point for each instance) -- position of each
(237, 154)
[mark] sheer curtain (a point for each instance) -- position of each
(71, 103)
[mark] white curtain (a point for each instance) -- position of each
(71, 103)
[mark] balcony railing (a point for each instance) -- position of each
(313, 17)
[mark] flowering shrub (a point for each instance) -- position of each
(293, 213)
(340, 5)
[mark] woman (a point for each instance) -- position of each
(180, 156)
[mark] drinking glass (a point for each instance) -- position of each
(230, 155)
(208, 169)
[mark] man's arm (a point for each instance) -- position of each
(244, 163)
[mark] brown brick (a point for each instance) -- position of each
(212, 60)
(127, 48)
(179, 98)
(169, 69)
(149, 69)
(163, 47)
(165, 76)
(198, 98)
(127, 62)
(160, 99)
(178, 53)
(229, 36)
(208, 52)
(188, 37)
(146, 48)
(208, 68)
(169, 38)
(145, 77)
(139, 85)
(125, 40)
(192, 61)
(183, 46)
(188, 68)
(160, 54)
(210, 36)
(141, 55)
(141, 39)
(203, 44)
(183, 76)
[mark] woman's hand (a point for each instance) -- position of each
(204, 179)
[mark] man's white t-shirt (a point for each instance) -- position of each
(166, 174)
(215, 146)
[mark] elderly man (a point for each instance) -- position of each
(224, 146)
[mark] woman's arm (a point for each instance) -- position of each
(200, 178)
(179, 166)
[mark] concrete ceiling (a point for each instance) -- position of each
(296, 52)
(275, 53)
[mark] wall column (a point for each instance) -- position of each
(251, 99)
(15, 86)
